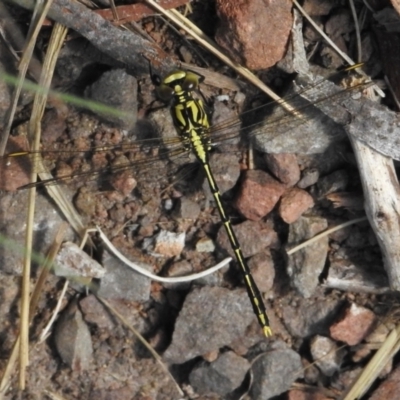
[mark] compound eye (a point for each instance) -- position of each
(165, 92)
(191, 82)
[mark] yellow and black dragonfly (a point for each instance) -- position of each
(197, 135)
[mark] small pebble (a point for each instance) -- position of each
(168, 244)
(205, 245)
(327, 354)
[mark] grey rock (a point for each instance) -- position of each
(47, 221)
(221, 376)
(72, 261)
(346, 275)
(186, 208)
(310, 317)
(246, 232)
(73, 340)
(116, 89)
(327, 354)
(121, 282)
(226, 171)
(334, 182)
(274, 372)
(306, 264)
(211, 317)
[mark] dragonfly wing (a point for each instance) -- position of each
(311, 132)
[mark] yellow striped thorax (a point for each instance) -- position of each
(188, 112)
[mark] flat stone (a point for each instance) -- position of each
(168, 244)
(205, 245)
(308, 178)
(186, 208)
(347, 276)
(95, 313)
(13, 226)
(225, 169)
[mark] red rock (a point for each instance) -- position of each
(284, 166)
(254, 237)
(356, 324)
(14, 171)
(258, 194)
(293, 204)
(318, 7)
(254, 32)
(263, 271)
(297, 394)
(390, 388)
(124, 182)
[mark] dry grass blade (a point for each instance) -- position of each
(371, 372)
(5, 380)
(37, 21)
(25, 291)
(142, 340)
(323, 234)
(53, 396)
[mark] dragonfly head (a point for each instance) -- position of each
(176, 83)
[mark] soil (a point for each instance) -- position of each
(132, 179)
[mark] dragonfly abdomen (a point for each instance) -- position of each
(192, 123)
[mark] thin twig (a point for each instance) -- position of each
(145, 272)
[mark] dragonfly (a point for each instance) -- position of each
(196, 134)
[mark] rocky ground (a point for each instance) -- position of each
(329, 303)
